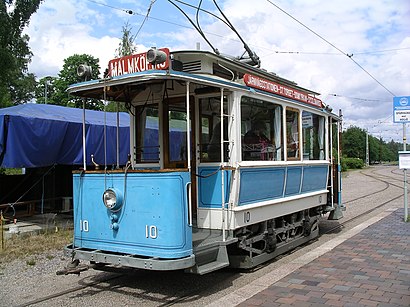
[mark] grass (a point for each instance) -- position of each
(29, 246)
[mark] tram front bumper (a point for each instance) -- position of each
(134, 261)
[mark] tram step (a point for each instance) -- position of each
(210, 267)
(209, 260)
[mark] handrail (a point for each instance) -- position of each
(189, 202)
(222, 172)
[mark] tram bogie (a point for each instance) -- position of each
(229, 166)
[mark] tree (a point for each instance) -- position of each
(126, 46)
(68, 75)
(354, 146)
(354, 143)
(45, 90)
(16, 84)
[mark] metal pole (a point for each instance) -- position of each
(405, 177)
(405, 196)
(45, 92)
(188, 129)
(222, 170)
(84, 152)
(367, 147)
(1, 229)
(118, 135)
(188, 154)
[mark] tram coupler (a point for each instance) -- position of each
(74, 267)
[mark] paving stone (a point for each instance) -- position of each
(369, 269)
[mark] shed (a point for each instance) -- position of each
(46, 140)
(39, 135)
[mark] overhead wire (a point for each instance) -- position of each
(255, 59)
(350, 56)
(112, 7)
(195, 26)
(145, 19)
(131, 12)
(198, 8)
(199, 29)
(335, 53)
(355, 98)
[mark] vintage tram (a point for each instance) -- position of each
(229, 165)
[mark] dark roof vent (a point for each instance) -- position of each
(192, 66)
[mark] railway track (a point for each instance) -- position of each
(111, 281)
(386, 180)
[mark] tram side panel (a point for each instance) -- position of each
(152, 220)
(278, 191)
(264, 193)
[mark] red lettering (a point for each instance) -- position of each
(282, 90)
(135, 63)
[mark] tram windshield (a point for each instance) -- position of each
(147, 136)
(170, 129)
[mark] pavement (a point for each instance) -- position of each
(368, 265)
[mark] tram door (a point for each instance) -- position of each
(175, 139)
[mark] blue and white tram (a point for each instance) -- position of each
(229, 166)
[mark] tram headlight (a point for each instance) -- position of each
(156, 56)
(112, 199)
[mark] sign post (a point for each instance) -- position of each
(404, 164)
(401, 114)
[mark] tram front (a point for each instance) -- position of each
(140, 214)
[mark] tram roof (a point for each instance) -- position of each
(186, 65)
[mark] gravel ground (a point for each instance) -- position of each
(21, 282)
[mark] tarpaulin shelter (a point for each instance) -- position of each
(38, 135)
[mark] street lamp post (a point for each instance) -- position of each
(47, 79)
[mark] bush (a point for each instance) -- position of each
(351, 163)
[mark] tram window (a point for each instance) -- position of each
(313, 131)
(292, 133)
(177, 121)
(147, 140)
(261, 130)
(210, 144)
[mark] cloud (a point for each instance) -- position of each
(363, 28)
(60, 29)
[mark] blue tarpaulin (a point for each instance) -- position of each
(38, 135)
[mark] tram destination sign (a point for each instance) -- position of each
(135, 63)
(401, 109)
(280, 89)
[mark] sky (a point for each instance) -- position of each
(356, 53)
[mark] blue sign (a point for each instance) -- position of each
(401, 109)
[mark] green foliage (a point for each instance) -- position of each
(126, 46)
(45, 86)
(354, 143)
(55, 88)
(16, 84)
(354, 146)
(113, 106)
(31, 262)
(10, 171)
(68, 76)
(351, 163)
